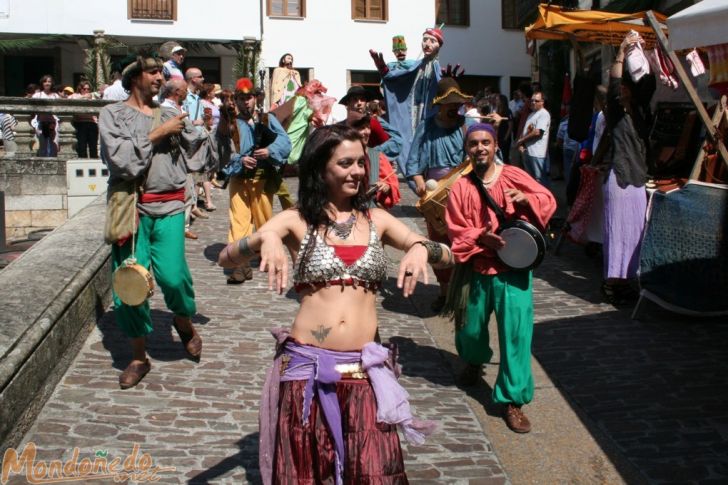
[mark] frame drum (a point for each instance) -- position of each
(132, 283)
(525, 245)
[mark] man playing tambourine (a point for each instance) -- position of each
(482, 284)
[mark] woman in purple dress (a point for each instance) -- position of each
(625, 198)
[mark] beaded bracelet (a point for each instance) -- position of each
(434, 250)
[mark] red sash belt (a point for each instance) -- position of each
(178, 194)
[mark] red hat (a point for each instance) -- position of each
(245, 86)
(436, 33)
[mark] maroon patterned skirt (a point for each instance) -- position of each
(304, 454)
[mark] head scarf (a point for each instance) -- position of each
(481, 127)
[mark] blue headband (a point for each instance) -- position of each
(481, 127)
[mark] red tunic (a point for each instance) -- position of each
(378, 135)
(389, 176)
(466, 219)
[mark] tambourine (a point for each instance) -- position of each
(132, 283)
(525, 245)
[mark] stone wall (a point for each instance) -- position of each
(35, 194)
(50, 299)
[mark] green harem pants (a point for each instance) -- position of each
(510, 296)
(160, 244)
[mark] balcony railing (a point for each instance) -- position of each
(64, 109)
(152, 9)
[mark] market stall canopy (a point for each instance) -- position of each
(701, 25)
(558, 23)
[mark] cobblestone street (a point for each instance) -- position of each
(617, 400)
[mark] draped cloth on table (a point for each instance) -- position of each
(684, 256)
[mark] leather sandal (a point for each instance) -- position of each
(515, 419)
(240, 275)
(134, 373)
(191, 342)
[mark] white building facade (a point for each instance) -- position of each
(329, 39)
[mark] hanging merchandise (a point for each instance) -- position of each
(635, 60)
(663, 67)
(718, 59)
(696, 64)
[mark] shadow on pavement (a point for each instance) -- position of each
(656, 389)
(160, 343)
(212, 251)
(424, 295)
(247, 458)
(426, 362)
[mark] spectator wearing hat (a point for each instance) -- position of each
(383, 135)
(260, 147)
(438, 147)
(173, 66)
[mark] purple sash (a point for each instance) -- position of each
(317, 366)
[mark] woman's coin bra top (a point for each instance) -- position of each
(324, 266)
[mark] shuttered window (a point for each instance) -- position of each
(152, 9)
(369, 9)
(286, 8)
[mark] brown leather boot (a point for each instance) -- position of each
(134, 373)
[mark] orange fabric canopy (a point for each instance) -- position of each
(557, 23)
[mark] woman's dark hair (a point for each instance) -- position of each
(312, 191)
(640, 96)
(280, 61)
(502, 106)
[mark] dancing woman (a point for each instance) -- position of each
(331, 403)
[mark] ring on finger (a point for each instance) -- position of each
(408, 273)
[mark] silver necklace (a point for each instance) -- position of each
(342, 230)
(491, 179)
